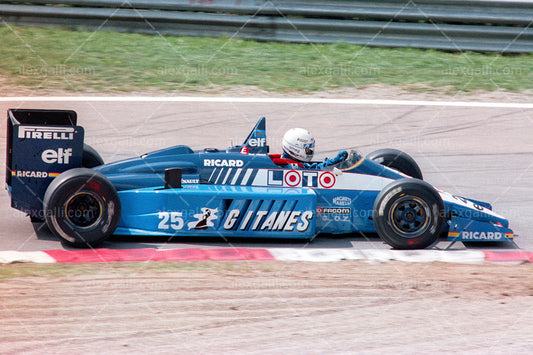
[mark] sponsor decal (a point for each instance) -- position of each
(509, 235)
(481, 235)
(33, 174)
(257, 142)
(170, 220)
(275, 178)
(245, 150)
(327, 180)
(190, 181)
(60, 156)
(342, 201)
(283, 221)
(333, 210)
(309, 178)
(205, 219)
(52, 133)
(292, 178)
(303, 178)
(223, 162)
(468, 203)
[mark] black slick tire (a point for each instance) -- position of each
(91, 158)
(397, 160)
(409, 214)
(82, 208)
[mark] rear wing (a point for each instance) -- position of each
(41, 144)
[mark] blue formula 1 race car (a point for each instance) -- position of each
(241, 191)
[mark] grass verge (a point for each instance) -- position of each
(80, 61)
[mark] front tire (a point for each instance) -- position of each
(397, 160)
(409, 214)
(82, 207)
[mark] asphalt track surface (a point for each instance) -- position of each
(479, 152)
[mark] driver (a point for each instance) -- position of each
(299, 145)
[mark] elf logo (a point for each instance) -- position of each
(60, 156)
(257, 142)
(52, 133)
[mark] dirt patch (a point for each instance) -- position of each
(268, 307)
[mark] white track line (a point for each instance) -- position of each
(308, 254)
(266, 100)
(11, 256)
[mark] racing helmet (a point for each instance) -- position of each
(299, 144)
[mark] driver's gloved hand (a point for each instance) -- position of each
(340, 157)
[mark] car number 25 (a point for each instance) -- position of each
(169, 220)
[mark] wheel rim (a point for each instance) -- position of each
(410, 216)
(83, 210)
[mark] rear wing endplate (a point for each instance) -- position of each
(41, 144)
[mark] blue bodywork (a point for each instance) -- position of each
(253, 197)
(241, 191)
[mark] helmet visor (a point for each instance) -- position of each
(309, 150)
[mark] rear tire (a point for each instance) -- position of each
(91, 158)
(397, 160)
(409, 214)
(82, 207)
